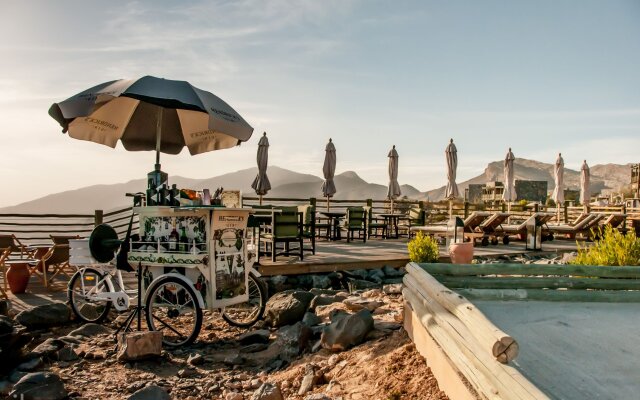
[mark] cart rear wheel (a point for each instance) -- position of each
(173, 309)
(248, 313)
(83, 286)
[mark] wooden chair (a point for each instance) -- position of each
(4, 254)
(286, 227)
(374, 225)
(415, 217)
(53, 263)
(12, 242)
(356, 222)
(309, 226)
(56, 239)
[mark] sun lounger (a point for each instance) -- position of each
(520, 230)
(491, 229)
(615, 221)
(471, 226)
(584, 227)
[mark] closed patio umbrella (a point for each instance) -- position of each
(261, 183)
(151, 113)
(585, 184)
(451, 191)
(329, 170)
(558, 191)
(394, 188)
(509, 194)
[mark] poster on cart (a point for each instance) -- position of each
(230, 270)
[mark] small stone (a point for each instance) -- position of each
(187, 373)
(151, 392)
(258, 336)
(357, 304)
(195, 359)
(136, 346)
(90, 330)
(325, 300)
(308, 382)
(234, 396)
(66, 354)
(31, 365)
(5, 388)
(268, 391)
(317, 396)
(236, 359)
(333, 360)
(394, 288)
(48, 348)
(359, 284)
(254, 348)
(287, 307)
(346, 330)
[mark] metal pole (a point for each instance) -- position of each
(158, 136)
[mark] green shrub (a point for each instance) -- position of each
(613, 248)
(423, 249)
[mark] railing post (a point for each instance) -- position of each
(624, 221)
(536, 207)
(566, 216)
(312, 201)
(97, 217)
(466, 209)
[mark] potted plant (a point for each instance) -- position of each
(461, 253)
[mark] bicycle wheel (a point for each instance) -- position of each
(248, 313)
(172, 308)
(81, 291)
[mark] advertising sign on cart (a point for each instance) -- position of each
(228, 249)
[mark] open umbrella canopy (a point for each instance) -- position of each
(329, 170)
(585, 183)
(261, 183)
(558, 176)
(451, 155)
(152, 114)
(394, 188)
(509, 193)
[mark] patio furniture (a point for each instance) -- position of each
(54, 262)
(375, 224)
(415, 217)
(584, 227)
(356, 222)
(60, 239)
(491, 229)
(4, 254)
(309, 226)
(334, 223)
(391, 222)
(13, 243)
(18, 274)
(286, 228)
(520, 230)
(471, 226)
(615, 221)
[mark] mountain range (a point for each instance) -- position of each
(287, 183)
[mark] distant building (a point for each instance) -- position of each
(635, 179)
(491, 192)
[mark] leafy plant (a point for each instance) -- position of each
(613, 248)
(423, 248)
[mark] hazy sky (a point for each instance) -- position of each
(539, 76)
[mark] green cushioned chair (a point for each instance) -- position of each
(309, 226)
(286, 228)
(356, 222)
(415, 217)
(375, 226)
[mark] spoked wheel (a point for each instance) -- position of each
(81, 292)
(173, 309)
(248, 313)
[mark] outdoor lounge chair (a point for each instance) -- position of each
(356, 222)
(491, 229)
(375, 226)
(286, 228)
(520, 230)
(615, 221)
(415, 217)
(585, 227)
(471, 226)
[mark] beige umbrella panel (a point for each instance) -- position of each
(585, 184)
(393, 191)
(329, 170)
(261, 183)
(509, 195)
(451, 191)
(558, 190)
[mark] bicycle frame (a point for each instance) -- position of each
(121, 299)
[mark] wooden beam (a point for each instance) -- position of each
(531, 282)
(602, 296)
(532, 269)
(502, 345)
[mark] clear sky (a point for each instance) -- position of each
(539, 76)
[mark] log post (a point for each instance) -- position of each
(98, 217)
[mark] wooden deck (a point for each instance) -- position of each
(330, 256)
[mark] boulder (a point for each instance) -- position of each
(278, 283)
(311, 319)
(136, 346)
(31, 365)
(45, 316)
(5, 306)
(346, 330)
(6, 325)
(90, 330)
(48, 348)
(292, 340)
(394, 288)
(66, 354)
(151, 392)
(253, 337)
(195, 359)
(357, 304)
(39, 386)
(391, 272)
(320, 281)
(309, 380)
(287, 307)
(360, 284)
(359, 273)
(376, 275)
(5, 388)
(268, 391)
(325, 300)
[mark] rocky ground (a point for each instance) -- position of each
(339, 338)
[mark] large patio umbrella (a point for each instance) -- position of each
(585, 184)
(509, 194)
(451, 191)
(558, 191)
(261, 183)
(151, 113)
(394, 188)
(329, 170)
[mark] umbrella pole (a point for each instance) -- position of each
(509, 212)
(158, 137)
(327, 203)
(450, 208)
(391, 206)
(260, 199)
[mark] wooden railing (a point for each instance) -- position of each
(37, 227)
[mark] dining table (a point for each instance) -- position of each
(391, 220)
(334, 218)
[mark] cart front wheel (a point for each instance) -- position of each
(172, 308)
(248, 313)
(83, 287)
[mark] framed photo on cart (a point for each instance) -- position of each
(231, 198)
